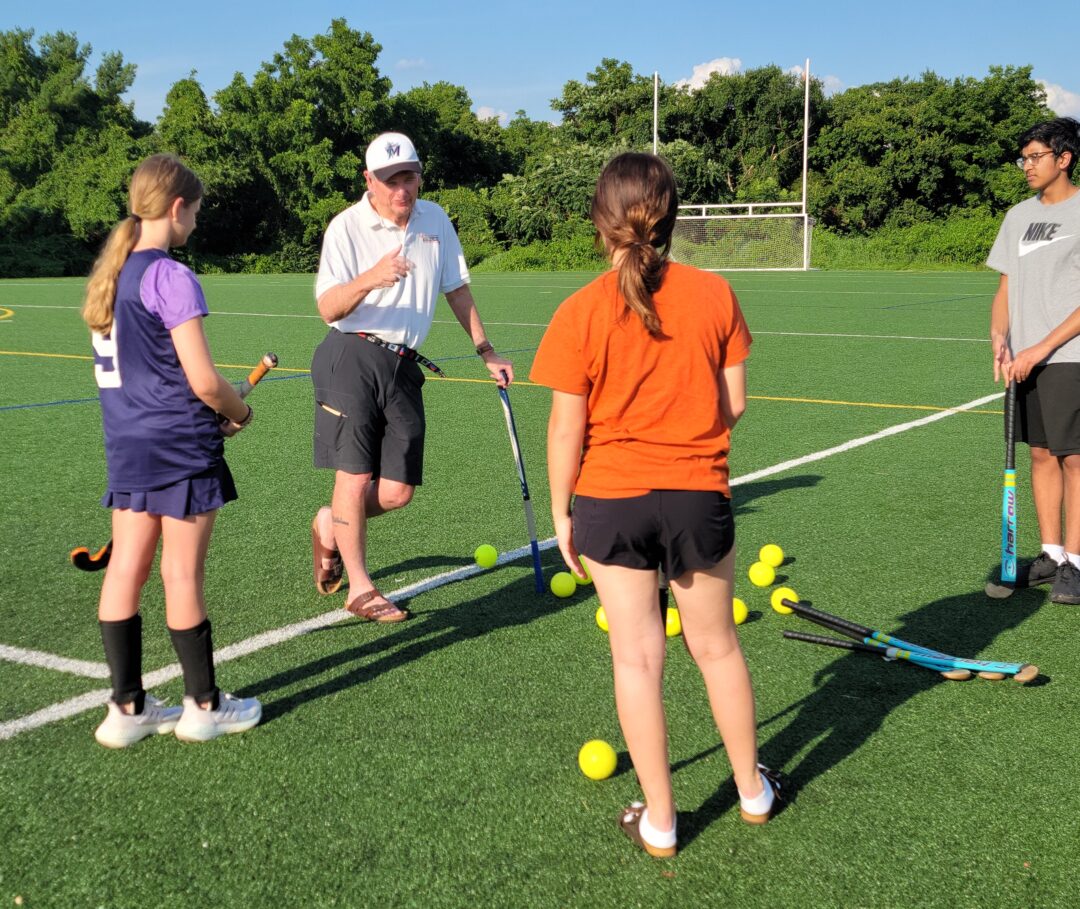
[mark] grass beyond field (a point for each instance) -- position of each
(433, 764)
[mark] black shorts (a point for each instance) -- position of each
(674, 529)
(1048, 408)
(369, 409)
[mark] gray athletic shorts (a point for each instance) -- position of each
(678, 530)
(369, 409)
(1048, 409)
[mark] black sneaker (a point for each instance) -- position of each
(1043, 570)
(1066, 585)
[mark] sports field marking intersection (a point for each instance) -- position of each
(81, 703)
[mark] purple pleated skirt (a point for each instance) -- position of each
(200, 494)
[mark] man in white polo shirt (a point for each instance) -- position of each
(385, 260)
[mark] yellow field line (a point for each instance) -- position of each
(524, 384)
(27, 353)
(861, 404)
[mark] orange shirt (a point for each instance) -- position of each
(654, 418)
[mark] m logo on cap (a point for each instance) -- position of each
(393, 149)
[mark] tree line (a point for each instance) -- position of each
(281, 153)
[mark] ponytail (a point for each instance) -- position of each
(97, 311)
(641, 272)
(156, 184)
(634, 210)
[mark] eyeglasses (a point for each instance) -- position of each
(1032, 159)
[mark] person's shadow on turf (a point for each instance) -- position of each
(855, 693)
(760, 489)
(517, 603)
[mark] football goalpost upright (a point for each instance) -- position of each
(752, 236)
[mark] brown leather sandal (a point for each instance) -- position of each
(327, 580)
(384, 613)
(630, 822)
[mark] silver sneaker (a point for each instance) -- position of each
(233, 715)
(122, 729)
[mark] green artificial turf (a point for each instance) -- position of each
(433, 763)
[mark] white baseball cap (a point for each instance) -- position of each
(391, 153)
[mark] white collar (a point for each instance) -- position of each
(378, 222)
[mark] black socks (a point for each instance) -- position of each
(195, 649)
(123, 653)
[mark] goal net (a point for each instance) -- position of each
(766, 236)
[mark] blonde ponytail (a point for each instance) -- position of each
(97, 311)
(156, 183)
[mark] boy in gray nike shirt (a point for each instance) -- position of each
(1035, 337)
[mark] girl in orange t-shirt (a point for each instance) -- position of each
(647, 370)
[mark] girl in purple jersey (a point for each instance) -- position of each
(165, 411)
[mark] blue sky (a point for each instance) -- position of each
(512, 56)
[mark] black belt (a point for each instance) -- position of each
(401, 350)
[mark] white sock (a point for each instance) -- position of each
(1056, 552)
(661, 839)
(759, 804)
(1074, 558)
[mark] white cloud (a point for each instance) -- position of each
(489, 113)
(829, 84)
(412, 63)
(1060, 100)
(729, 66)
(725, 66)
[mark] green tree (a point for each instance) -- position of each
(302, 123)
(749, 129)
(613, 105)
(457, 148)
(67, 148)
(906, 151)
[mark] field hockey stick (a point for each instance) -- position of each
(990, 669)
(82, 558)
(1007, 583)
(987, 669)
(530, 519)
(268, 362)
(886, 653)
(1008, 491)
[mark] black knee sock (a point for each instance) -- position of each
(123, 653)
(195, 649)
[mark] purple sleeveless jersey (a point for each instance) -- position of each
(156, 431)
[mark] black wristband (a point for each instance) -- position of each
(484, 348)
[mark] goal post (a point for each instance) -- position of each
(752, 236)
(765, 236)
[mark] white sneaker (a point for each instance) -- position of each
(122, 729)
(233, 715)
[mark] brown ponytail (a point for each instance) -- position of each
(156, 183)
(634, 210)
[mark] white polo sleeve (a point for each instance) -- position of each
(455, 272)
(338, 262)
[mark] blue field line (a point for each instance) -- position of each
(49, 404)
(94, 400)
(955, 299)
(473, 356)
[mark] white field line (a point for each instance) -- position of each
(52, 661)
(792, 334)
(865, 440)
(92, 699)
